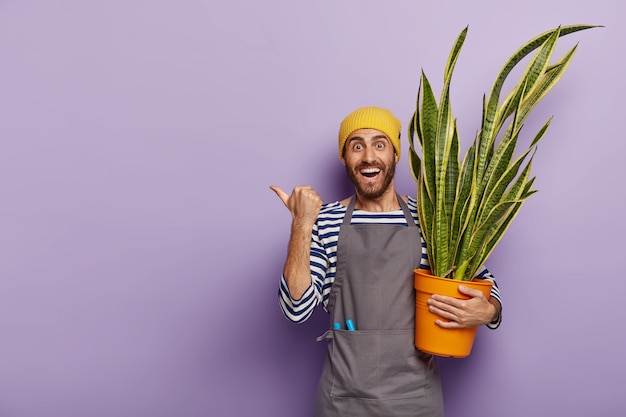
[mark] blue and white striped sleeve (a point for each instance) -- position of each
(495, 293)
(298, 310)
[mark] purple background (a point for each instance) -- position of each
(140, 246)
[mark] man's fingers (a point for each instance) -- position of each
(470, 291)
(280, 193)
(448, 324)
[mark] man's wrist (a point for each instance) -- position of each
(497, 307)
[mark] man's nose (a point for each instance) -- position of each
(369, 154)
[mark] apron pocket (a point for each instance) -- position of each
(377, 364)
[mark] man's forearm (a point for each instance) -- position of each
(297, 271)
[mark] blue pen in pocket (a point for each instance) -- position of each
(350, 325)
(337, 325)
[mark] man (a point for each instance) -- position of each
(357, 257)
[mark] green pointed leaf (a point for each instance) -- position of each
(454, 54)
(428, 119)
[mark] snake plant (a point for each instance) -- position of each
(466, 206)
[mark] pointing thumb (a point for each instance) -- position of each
(280, 193)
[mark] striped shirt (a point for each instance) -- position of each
(323, 258)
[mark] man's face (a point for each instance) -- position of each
(370, 162)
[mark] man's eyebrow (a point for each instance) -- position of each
(373, 138)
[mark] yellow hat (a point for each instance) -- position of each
(371, 118)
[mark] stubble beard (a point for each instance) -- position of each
(372, 191)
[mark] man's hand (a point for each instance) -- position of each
(303, 203)
(472, 312)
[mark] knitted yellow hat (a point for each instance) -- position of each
(371, 118)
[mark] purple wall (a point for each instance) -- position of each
(140, 246)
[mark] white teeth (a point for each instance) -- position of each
(370, 171)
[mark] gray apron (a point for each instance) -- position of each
(375, 369)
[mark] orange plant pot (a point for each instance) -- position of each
(431, 338)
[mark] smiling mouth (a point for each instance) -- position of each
(370, 172)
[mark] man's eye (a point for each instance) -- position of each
(357, 147)
(380, 145)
